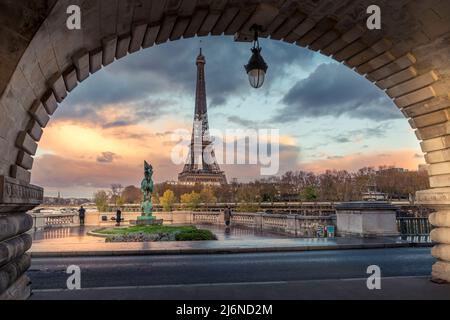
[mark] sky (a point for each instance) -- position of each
(328, 116)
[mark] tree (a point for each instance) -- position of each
(191, 200)
(116, 192)
(101, 200)
(309, 194)
(167, 200)
(131, 194)
(155, 198)
(207, 196)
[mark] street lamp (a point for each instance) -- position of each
(256, 67)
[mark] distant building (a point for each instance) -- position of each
(372, 193)
(423, 168)
(392, 169)
(197, 170)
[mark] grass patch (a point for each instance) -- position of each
(181, 233)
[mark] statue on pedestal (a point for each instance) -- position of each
(147, 190)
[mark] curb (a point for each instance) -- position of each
(225, 250)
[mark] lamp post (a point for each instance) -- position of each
(256, 67)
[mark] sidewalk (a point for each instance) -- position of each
(97, 247)
(346, 289)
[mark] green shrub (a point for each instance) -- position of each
(195, 235)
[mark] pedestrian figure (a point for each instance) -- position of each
(118, 217)
(81, 214)
(227, 214)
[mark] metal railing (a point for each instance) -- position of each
(414, 229)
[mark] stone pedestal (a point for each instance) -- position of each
(146, 221)
(439, 199)
(16, 198)
(366, 219)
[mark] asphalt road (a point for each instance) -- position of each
(50, 273)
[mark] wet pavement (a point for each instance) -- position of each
(75, 242)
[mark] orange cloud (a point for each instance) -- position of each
(408, 159)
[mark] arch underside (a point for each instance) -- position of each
(408, 59)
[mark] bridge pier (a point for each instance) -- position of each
(16, 198)
(439, 199)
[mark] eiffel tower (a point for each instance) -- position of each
(201, 167)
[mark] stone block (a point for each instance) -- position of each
(441, 235)
(70, 78)
(12, 249)
(150, 36)
(433, 131)
(354, 33)
(81, 63)
(439, 168)
(375, 63)
(166, 29)
(324, 40)
(435, 144)
(34, 130)
(225, 20)
(18, 196)
(397, 78)
(14, 224)
(208, 23)
(123, 43)
(440, 181)
(441, 271)
(24, 160)
(20, 173)
(426, 107)
(25, 142)
(438, 156)
(49, 102)
(415, 97)
(366, 219)
(350, 50)
(109, 49)
(179, 28)
(38, 112)
(11, 272)
(440, 218)
(19, 290)
(429, 119)
(441, 251)
(58, 86)
(370, 53)
(300, 30)
(197, 21)
(413, 84)
(397, 65)
(95, 60)
(437, 198)
(334, 47)
(137, 36)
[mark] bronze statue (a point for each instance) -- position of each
(147, 190)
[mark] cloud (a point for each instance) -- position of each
(334, 90)
(352, 162)
(106, 157)
(378, 131)
(241, 121)
(170, 67)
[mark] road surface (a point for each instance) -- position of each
(50, 273)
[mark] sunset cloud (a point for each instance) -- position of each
(407, 159)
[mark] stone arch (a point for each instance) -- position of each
(407, 58)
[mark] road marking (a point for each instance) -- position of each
(163, 286)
